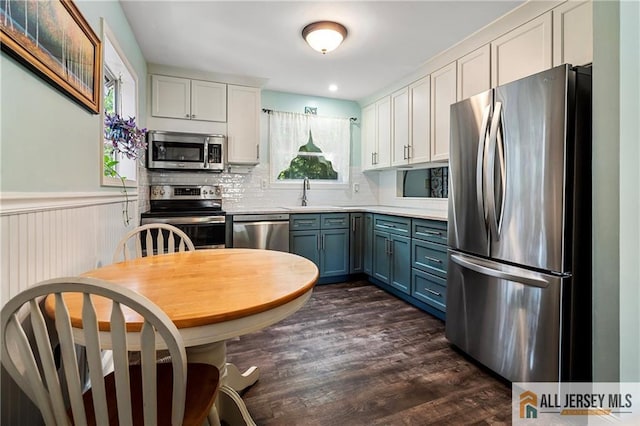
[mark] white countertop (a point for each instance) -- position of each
(392, 210)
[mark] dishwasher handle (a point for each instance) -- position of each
(260, 217)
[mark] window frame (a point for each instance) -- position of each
(109, 38)
(295, 184)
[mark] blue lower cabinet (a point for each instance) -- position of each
(381, 267)
(367, 244)
(327, 245)
(408, 258)
(392, 260)
(429, 257)
(306, 244)
(334, 252)
(429, 289)
(401, 263)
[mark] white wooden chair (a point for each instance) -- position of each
(151, 394)
(160, 237)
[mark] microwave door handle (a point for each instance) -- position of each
(482, 205)
(490, 172)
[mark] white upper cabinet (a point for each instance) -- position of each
(383, 133)
(573, 33)
(474, 72)
(170, 97)
(208, 101)
(243, 125)
(443, 94)
(368, 136)
(400, 143)
(523, 51)
(186, 99)
(376, 135)
(420, 121)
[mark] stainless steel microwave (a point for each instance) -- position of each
(185, 151)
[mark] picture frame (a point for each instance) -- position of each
(52, 38)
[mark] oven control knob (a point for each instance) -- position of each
(218, 191)
(162, 192)
(205, 192)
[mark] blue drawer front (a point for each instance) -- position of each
(429, 257)
(430, 289)
(301, 222)
(335, 220)
(430, 230)
(393, 224)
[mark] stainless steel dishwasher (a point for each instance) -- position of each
(261, 231)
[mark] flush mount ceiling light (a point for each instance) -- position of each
(324, 36)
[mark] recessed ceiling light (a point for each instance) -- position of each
(333, 87)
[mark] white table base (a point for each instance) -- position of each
(229, 405)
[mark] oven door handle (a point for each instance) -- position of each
(188, 220)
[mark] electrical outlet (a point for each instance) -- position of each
(263, 184)
(356, 187)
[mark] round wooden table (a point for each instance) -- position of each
(211, 296)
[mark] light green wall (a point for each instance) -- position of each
(630, 191)
(606, 201)
(48, 142)
(289, 102)
(616, 224)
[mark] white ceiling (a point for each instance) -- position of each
(386, 40)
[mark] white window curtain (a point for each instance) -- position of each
(290, 131)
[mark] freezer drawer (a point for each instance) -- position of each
(508, 318)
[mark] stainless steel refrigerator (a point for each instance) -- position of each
(519, 260)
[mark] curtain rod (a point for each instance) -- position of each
(269, 111)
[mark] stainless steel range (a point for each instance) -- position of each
(196, 210)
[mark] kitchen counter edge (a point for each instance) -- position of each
(390, 210)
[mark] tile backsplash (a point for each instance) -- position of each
(245, 190)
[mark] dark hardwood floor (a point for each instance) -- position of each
(355, 355)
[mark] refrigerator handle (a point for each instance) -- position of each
(526, 277)
(491, 165)
(503, 175)
(482, 206)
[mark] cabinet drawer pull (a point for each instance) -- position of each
(433, 259)
(430, 233)
(435, 293)
(353, 224)
(304, 222)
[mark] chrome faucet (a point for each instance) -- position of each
(305, 186)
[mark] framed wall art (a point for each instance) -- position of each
(53, 38)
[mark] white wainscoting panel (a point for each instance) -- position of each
(50, 237)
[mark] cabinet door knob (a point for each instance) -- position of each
(187, 115)
(193, 116)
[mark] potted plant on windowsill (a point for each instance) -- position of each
(122, 138)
